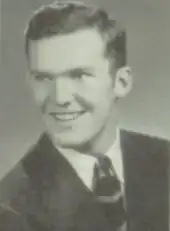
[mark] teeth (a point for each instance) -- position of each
(65, 117)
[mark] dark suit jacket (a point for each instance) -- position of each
(44, 193)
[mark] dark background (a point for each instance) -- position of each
(146, 109)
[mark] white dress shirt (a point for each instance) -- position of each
(84, 164)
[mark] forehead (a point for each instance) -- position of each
(57, 53)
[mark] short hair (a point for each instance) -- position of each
(69, 16)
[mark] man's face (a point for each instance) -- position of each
(72, 85)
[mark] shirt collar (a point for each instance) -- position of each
(115, 154)
(84, 164)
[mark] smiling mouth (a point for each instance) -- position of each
(66, 116)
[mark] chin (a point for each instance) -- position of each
(69, 140)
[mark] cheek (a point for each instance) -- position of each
(40, 92)
(96, 92)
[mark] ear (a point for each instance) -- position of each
(123, 82)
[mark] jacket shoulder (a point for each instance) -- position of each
(142, 148)
(12, 200)
(13, 184)
(17, 180)
(145, 141)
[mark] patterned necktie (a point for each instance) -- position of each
(107, 189)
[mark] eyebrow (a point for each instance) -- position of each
(65, 72)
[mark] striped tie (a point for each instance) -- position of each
(107, 189)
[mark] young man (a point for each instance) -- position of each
(84, 174)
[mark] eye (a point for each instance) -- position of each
(80, 75)
(42, 77)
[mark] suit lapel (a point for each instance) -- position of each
(62, 199)
(145, 162)
(131, 175)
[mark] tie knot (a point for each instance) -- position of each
(104, 162)
(105, 165)
(105, 179)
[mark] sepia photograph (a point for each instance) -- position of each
(84, 115)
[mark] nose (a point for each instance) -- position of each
(62, 91)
